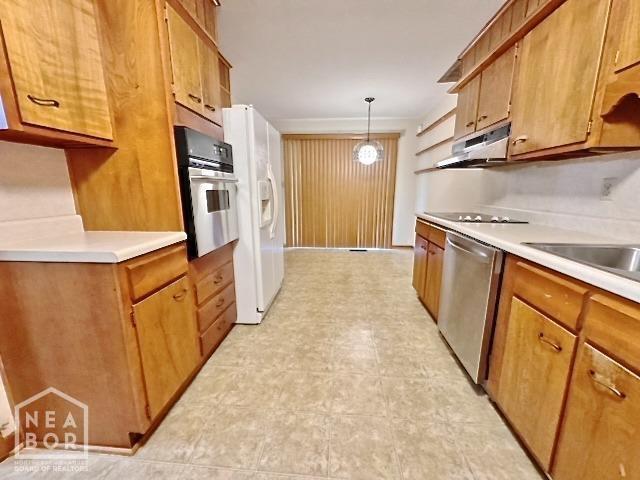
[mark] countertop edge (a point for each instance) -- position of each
(624, 287)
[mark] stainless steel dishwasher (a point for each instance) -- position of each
(470, 284)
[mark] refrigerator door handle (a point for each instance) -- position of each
(276, 201)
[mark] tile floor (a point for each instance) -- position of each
(346, 378)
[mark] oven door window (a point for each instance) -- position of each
(218, 200)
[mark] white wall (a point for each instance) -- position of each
(403, 215)
(34, 184)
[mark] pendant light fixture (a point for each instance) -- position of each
(369, 151)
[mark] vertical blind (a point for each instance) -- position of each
(333, 201)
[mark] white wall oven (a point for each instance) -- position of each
(208, 188)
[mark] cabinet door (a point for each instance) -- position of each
(434, 280)
(601, 431)
(535, 371)
(467, 108)
(185, 63)
(628, 13)
(168, 340)
(557, 71)
(495, 90)
(56, 65)
(420, 252)
(210, 76)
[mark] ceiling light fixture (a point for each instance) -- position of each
(369, 151)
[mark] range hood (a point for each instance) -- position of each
(486, 150)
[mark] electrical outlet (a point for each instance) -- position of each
(607, 188)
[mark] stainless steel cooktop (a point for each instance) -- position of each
(474, 217)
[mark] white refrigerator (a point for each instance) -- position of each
(259, 256)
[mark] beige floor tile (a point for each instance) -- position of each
(428, 450)
(493, 453)
(359, 395)
(362, 448)
(413, 399)
(306, 392)
(233, 437)
(297, 444)
(191, 472)
(257, 387)
(119, 468)
(311, 357)
(212, 384)
(354, 359)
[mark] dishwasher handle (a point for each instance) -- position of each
(470, 249)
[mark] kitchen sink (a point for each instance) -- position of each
(623, 260)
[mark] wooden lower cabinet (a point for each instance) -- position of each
(81, 329)
(601, 432)
(434, 279)
(427, 265)
(420, 255)
(535, 372)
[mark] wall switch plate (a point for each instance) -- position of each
(607, 188)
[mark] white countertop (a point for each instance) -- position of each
(89, 247)
(510, 238)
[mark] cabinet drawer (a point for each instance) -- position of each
(212, 309)
(423, 229)
(556, 296)
(210, 339)
(614, 325)
(214, 282)
(150, 272)
(601, 430)
(437, 236)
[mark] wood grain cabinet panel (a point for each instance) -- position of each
(210, 78)
(420, 255)
(56, 65)
(185, 62)
(535, 372)
(167, 337)
(495, 90)
(467, 109)
(556, 81)
(150, 272)
(433, 280)
(629, 34)
(601, 432)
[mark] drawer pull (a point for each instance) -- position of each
(220, 302)
(470, 124)
(520, 139)
(209, 107)
(178, 297)
(482, 118)
(195, 98)
(546, 341)
(44, 102)
(218, 279)
(597, 378)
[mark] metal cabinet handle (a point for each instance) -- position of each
(520, 139)
(44, 102)
(553, 345)
(597, 378)
(195, 98)
(180, 295)
(220, 302)
(482, 118)
(423, 247)
(209, 107)
(218, 279)
(470, 124)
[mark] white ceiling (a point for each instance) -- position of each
(320, 58)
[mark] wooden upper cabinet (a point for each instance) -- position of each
(601, 431)
(533, 6)
(210, 78)
(495, 90)
(185, 62)
(167, 337)
(558, 66)
(535, 370)
(629, 33)
(54, 57)
(467, 108)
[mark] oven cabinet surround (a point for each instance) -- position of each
(427, 265)
(215, 297)
(130, 326)
(567, 98)
(564, 371)
(52, 84)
